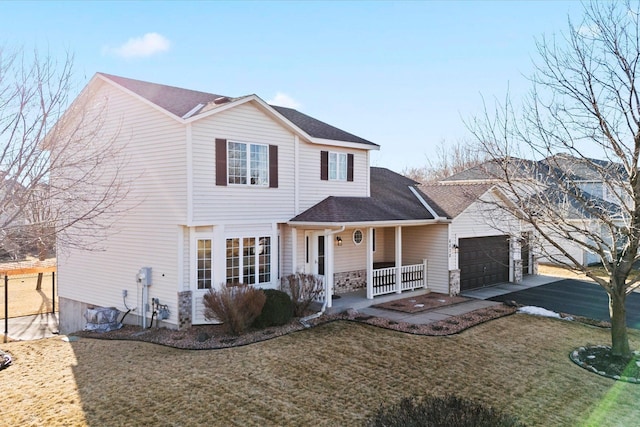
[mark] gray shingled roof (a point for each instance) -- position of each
(558, 166)
(179, 102)
(391, 200)
(318, 129)
(450, 200)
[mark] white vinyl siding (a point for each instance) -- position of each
(428, 242)
(146, 234)
(349, 256)
(221, 204)
(313, 189)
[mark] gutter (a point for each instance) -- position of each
(304, 321)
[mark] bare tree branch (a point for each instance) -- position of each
(34, 209)
(577, 184)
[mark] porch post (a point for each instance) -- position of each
(425, 273)
(398, 259)
(369, 241)
(294, 250)
(328, 267)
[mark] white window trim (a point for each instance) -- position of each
(248, 168)
(338, 156)
(272, 239)
(211, 260)
(353, 236)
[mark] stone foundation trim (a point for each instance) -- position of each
(185, 309)
(349, 281)
(454, 282)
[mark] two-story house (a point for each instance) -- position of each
(226, 190)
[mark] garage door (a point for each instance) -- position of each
(483, 261)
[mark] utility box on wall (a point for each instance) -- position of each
(144, 276)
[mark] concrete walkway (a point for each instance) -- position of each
(479, 300)
(26, 328)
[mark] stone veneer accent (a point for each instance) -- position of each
(517, 271)
(534, 265)
(349, 281)
(454, 282)
(185, 309)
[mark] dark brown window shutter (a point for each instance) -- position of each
(349, 167)
(273, 166)
(221, 161)
(324, 165)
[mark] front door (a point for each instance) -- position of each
(315, 260)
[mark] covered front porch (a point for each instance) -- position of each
(367, 262)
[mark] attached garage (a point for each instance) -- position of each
(483, 261)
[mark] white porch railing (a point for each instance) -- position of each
(384, 281)
(412, 277)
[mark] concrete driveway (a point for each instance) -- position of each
(575, 297)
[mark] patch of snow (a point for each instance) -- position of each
(538, 311)
(419, 305)
(442, 300)
(412, 300)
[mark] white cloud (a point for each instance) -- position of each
(140, 47)
(589, 30)
(284, 100)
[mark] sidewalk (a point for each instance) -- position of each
(478, 301)
(26, 328)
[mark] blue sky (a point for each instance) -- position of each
(404, 75)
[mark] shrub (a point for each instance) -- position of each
(235, 305)
(303, 289)
(439, 411)
(277, 309)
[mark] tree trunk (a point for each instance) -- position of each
(42, 255)
(618, 314)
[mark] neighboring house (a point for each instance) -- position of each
(227, 190)
(485, 246)
(583, 180)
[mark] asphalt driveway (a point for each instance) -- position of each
(575, 297)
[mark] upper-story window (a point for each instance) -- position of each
(336, 166)
(243, 163)
(248, 163)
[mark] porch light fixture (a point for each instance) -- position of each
(338, 240)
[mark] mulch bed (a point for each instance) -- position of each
(416, 304)
(213, 336)
(599, 360)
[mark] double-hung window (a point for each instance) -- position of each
(337, 166)
(248, 164)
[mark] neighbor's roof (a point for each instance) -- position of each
(451, 200)
(180, 102)
(391, 200)
(558, 166)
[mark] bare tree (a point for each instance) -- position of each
(38, 142)
(449, 159)
(581, 125)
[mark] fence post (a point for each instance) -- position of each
(6, 304)
(53, 292)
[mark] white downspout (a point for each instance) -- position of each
(306, 319)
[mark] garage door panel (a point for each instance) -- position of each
(483, 261)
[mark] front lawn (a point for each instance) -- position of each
(334, 374)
